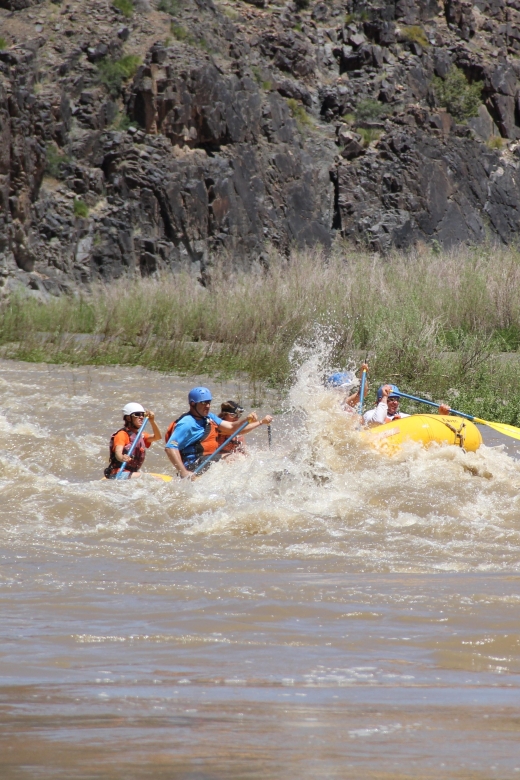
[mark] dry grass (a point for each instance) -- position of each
(429, 321)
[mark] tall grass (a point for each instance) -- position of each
(433, 323)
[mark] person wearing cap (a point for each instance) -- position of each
(350, 385)
(122, 440)
(387, 407)
(230, 411)
(194, 435)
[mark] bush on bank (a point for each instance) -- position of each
(432, 323)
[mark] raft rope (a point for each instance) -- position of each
(460, 434)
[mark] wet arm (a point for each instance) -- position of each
(118, 452)
(229, 428)
(156, 432)
(174, 456)
(352, 400)
(267, 420)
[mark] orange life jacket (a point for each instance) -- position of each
(235, 445)
(138, 454)
(391, 419)
(194, 453)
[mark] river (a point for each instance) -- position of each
(311, 611)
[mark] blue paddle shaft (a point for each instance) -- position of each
(431, 403)
(210, 457)
(362, 391)
(132, 448)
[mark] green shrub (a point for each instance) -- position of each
(123, 122)
(495, 142)
(125, 6)
(55, 159)
(257, 73)
(3, 43)
(416, 34)
(259, 78)
(169, 6)
(370, 110)
(303, 120)
(181, 33)
(80, 208)
(231, 13)
(357, 16)
(457, 95)
(369, 135)
(112, 73)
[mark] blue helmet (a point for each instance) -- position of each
(339, 379)
(394, 393)
(199, 394)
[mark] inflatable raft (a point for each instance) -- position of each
(424, 428)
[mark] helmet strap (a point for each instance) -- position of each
(194, 412)
(129, 422)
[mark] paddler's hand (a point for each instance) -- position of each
(150, 415)
(385, 392)
(267, 420)
(125, 458)
(252, 417)
(364, 367)
(444, 409)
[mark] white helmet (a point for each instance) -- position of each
(132, 409)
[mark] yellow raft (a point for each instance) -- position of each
(424, 428)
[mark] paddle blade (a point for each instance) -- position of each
(164, 477)
(504, 428)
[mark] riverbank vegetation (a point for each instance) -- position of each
(444, 324)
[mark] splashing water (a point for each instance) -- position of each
(423, 510)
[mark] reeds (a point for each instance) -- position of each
(433, 322)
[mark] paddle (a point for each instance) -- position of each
(210, 457)
(504, 428)
(269, 436)
(362, 391)
(132, 448)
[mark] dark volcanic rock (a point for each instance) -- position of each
(262, 124)
(421, 188)
(17, 5)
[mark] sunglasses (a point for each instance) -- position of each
(137, 414)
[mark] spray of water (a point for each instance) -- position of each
(319, 493)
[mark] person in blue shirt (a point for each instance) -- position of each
(194, 435)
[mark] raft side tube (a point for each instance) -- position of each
(425, 429)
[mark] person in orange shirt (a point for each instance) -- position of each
(122, 440)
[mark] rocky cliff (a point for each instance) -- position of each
(139, 136)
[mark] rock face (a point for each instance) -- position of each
(157, 140)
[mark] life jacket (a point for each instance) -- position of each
(195, 453)
(138, 454)
(235, 445)
(391, 419)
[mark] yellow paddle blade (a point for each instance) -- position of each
(167, 477)
(507, 430)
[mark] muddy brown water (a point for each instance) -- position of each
(313, 611)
